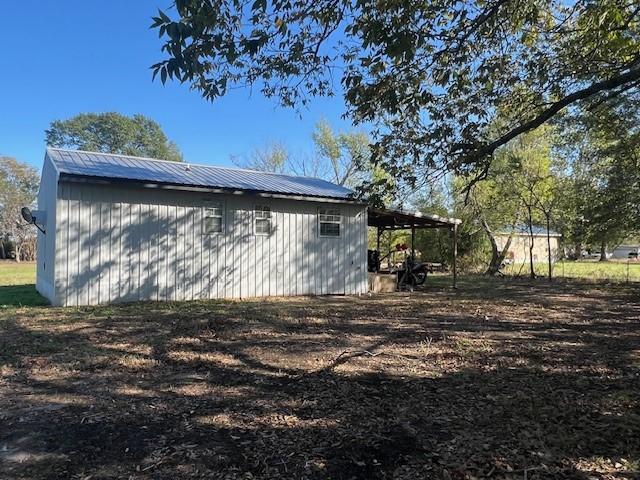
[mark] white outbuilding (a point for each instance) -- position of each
(118, 228)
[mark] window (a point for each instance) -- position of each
(330, 220)
(213, 219)
(262, 219)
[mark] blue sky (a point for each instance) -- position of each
(60, 58)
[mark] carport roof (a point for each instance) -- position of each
(400, 220)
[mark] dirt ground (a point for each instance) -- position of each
(502, 380)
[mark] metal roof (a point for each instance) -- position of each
(123, 168)
(398, 220)
(524, 230)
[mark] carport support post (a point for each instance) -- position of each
(413, 244)
(455, 255)
(379, 233)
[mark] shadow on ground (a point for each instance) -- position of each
(497, 380)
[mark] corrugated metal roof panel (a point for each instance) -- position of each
(122, 167)
(524, 230)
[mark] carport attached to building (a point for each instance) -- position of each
(385, 219)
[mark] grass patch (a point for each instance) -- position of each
(612, 271)
(14, 273)
(17, 285)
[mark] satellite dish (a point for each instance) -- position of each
(26, 214)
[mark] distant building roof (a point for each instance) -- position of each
(524, 230)
(123, 168)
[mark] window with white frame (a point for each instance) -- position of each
(212, 220)
(330, 220)
(262, 220)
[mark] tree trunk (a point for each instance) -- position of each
(548, 245)
(578, 251)
(497, 256)
(17, 251)
(530, 221)
(603, 252)
(3, 254)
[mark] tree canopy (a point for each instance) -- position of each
(602, 152)
(18, 188)
(340, 157)
(517, 192)
(347, 154)
(113, 132)
(583, 183)
(428, 77)
(273, 157)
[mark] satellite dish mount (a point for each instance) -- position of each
(30, 218)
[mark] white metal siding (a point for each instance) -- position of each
(45, 265)
(122, 244)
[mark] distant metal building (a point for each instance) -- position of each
(120, 228)
(521, 239)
